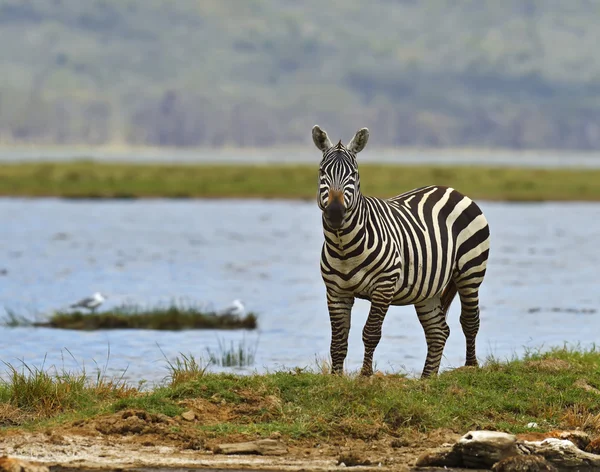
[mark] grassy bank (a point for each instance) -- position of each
(84, 179)
(559, 389)
(171, 317)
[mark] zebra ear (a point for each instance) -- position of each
(359, 141)
(321, 139)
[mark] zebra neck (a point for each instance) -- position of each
(352, 235)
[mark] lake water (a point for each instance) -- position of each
(308, 154)
(541, 288)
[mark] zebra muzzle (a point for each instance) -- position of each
(334, 214)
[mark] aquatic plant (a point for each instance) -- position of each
(236, 355)
(13, 320)
(173, 316)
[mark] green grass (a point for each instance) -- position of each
(168, 317)
(84, 179)
(29, 394)
(556, 389)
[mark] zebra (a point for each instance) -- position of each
(419, 248)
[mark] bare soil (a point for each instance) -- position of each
(133, 438)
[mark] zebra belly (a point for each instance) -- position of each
(418, 283)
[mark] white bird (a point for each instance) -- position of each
(91, 303)
(236, 308)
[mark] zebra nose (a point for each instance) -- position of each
(334, 212)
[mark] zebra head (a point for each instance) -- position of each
(339, 184)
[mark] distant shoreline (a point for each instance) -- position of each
(104, 180)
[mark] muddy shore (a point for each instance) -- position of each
(139, 440)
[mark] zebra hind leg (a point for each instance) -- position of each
(380, 303)
(433, 319)
(469, 318)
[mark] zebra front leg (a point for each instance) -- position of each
(339, 314)
(433, 320)
(380, 302)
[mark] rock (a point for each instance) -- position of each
(189, 415)
(524, 464)
(531, 425)
(562, 453)
(264, 447)
(482, 449)
(440, 458)
(579, 438)
(593, 446)
(8, 464)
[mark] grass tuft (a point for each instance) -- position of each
(14, 320)
(39, 392)
(184, 369)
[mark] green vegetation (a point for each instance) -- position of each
(171, 317)
(95, 180)
(557, 389)
(240, 355)
(515, 73)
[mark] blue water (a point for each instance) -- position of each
(541, 288)
(308, 154)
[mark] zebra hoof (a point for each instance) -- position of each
(428, 375)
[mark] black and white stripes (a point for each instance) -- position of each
(420, 248)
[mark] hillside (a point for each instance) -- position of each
(517, 73)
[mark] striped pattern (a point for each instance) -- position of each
(420, 248)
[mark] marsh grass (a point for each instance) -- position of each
(174, 316)
(13, 320)
(88, 179)
(185, 368)
(41, 392)
(559, 388)
(240, 354)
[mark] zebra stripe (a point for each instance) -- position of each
(420, 248)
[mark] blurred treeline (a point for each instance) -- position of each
(509, 73)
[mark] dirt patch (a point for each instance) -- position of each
(548, 365)
(11, 415)
(582, 383)
(132, 422)
(133, 438)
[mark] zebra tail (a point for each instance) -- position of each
(448, 295)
